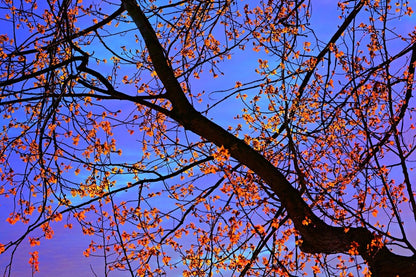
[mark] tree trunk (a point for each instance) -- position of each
(317, 236)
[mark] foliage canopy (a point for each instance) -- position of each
(211, 137)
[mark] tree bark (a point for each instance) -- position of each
(317, 236)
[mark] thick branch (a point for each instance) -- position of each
(318, 237)
(40, 72)
(71, 208)
(74, 36)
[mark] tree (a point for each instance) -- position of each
(112, 118)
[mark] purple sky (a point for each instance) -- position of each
(62, 256)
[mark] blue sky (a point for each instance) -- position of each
(62, 256)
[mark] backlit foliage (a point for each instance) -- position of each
(94, 135)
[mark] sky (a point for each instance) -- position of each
(63, 255)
